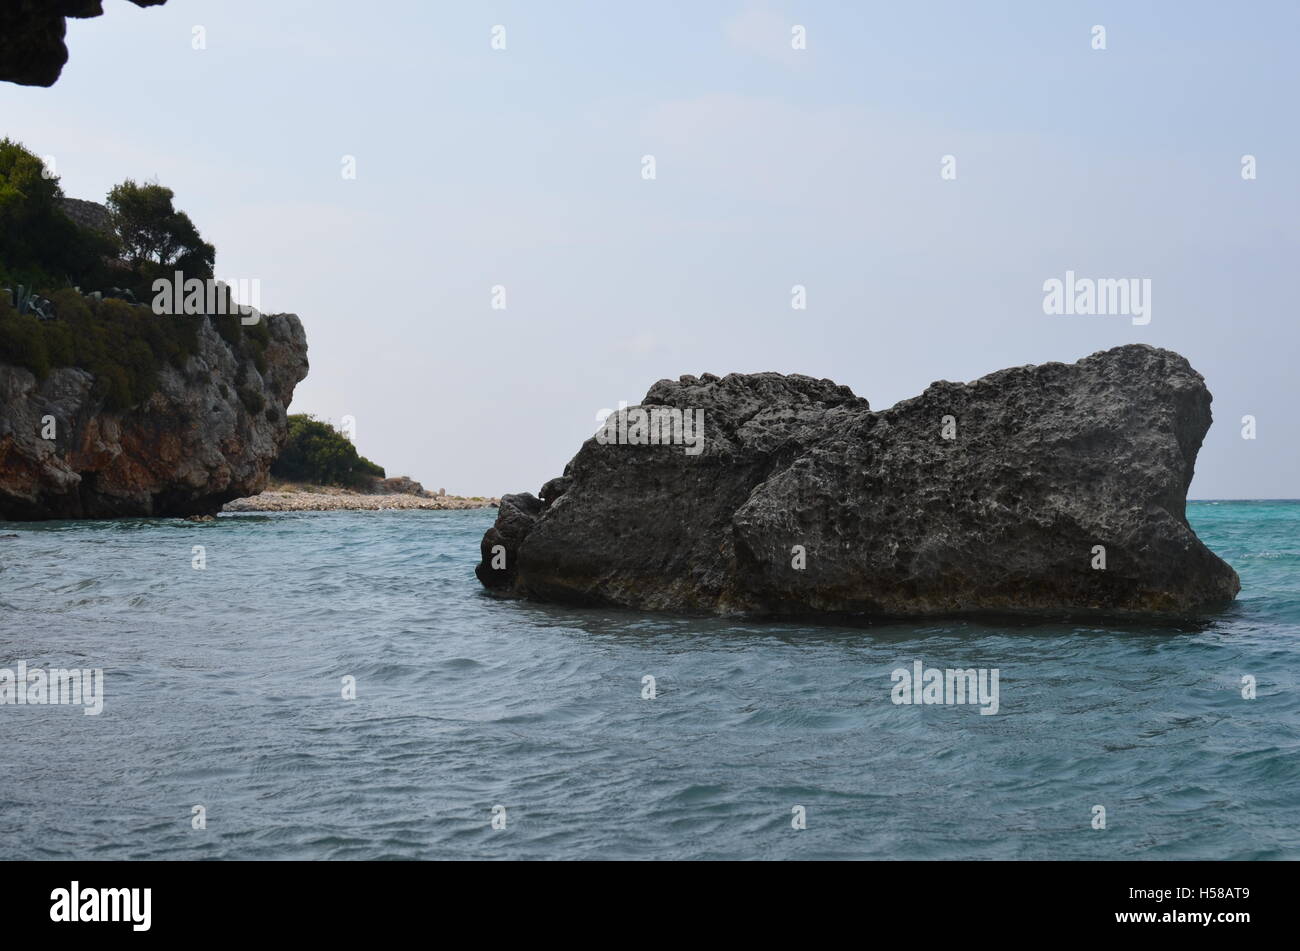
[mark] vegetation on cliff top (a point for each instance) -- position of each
(123, 345)
(319, 454)
(156, 238)
(39, 245)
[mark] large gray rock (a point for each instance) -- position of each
(193, 445)
(896, 513)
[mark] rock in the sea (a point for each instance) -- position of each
(32, 51)
(1043, 489)
(208, 433)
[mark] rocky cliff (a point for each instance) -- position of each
(206, 435)
(32, 51)
(1048, 488)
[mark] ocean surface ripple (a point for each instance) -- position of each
(223, 688)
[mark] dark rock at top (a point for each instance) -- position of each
(989, 496)
(32, 51)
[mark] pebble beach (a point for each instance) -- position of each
(296, 498)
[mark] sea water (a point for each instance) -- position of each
(490, 729)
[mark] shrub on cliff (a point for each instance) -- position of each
(319, 454)
(21, 340)
(42, 247)
(122, 346)
(39, 244)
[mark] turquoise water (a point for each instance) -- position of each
(223, 689)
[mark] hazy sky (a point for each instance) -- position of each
(774, 167)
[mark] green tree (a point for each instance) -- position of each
(155, 235)
(318, 454)
(39, 244)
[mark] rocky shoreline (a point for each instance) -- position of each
(296, 498)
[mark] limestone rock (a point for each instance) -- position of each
(397, 485)
(991, 496)
(187, 449)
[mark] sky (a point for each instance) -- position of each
(523, 168)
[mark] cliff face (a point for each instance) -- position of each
(198, 441)
(982, 497)
(32, 51)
